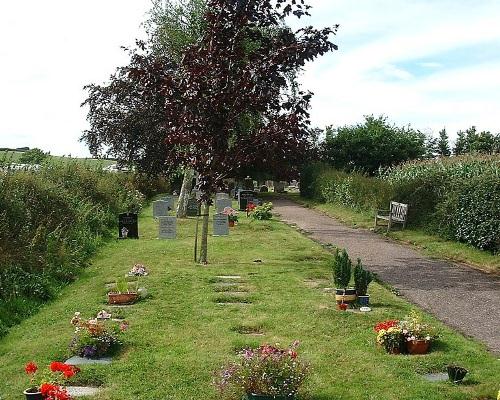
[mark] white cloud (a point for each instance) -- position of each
(51, 49)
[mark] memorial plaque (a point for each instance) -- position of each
(193, 207)
(221, 225)
(170, 202)
(160, 208)
(245, 196)
(167, 227)
(128, 226)
(220, 204)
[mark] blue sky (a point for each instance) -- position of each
(426, 63)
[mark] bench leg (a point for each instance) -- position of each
(389, 224)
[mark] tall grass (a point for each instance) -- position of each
(51, 221)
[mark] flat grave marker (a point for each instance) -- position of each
(80, 391)
(128, 226)
(167, 227)
(220, 204)
(221, 225)
(76, 360)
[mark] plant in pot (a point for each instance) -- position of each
(418, 335)
(232, 215)
(362, 278)
(123, 292)
(342, 266)
(390, 336)
(50, 385)
(95, 338)
(263, 212)
(266, 373)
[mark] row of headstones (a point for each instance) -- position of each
(128, 222)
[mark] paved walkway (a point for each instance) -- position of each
(461, 297)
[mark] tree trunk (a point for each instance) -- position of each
(204, 234)
(187, 184)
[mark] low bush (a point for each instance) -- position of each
(455, 197)
(51, 221)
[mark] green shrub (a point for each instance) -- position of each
(362, 278)
(341, 267)
(263, 212)
(51, 221)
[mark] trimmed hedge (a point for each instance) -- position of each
(456, 197)
(51, 221)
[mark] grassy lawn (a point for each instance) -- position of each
(432, 245)
(180, 335)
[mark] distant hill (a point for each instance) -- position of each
(13, 155)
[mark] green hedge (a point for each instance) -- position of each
(51, 221)
(457, 197)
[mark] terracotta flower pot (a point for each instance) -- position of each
(231, 224)
(419, 346)
(122, 298)
(32, 395)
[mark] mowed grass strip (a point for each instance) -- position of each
(180, 335)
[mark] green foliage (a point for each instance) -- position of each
(443, 145)
(341, 266)
(472, 142)
(455, 197)
(362, 278)
(373, 144)
(263, 212)
(33, 156)
(51, 221)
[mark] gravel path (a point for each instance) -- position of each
(461, 297)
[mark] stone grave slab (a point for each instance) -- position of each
(80, 391)
(221, 225)
(221, 195)
(167, 227)
(193, 207)
(75, 360)
(228, 277)
(220, 204)
(170, 202)
(160, 208)
(128, 226)
(436, 377)
(244, 197)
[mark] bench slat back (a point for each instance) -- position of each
(399, 210)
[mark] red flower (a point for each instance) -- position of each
(53, 392)
(293, 354)
(31, 368)
(386, 325)
(56, 366)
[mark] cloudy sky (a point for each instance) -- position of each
(428, 63)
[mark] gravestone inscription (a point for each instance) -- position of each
(221, 225)
(220, 204)
(245, 196)
(193, 207)
(128, 227)
(167, 227)
(160, 208)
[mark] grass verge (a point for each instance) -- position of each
(180, 334)
(431, 245)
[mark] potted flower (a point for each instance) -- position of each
(268, 372)
(122, 293)
(341, 266)
(138, 270)
(362, 278)
(95, 338)
(232, 215)
(49, 386)
(418, 335)
(390, 336)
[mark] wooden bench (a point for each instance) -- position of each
(397, 214)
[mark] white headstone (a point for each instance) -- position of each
(167, 227)
(160, 208)
(220, 204)
(221, 225)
